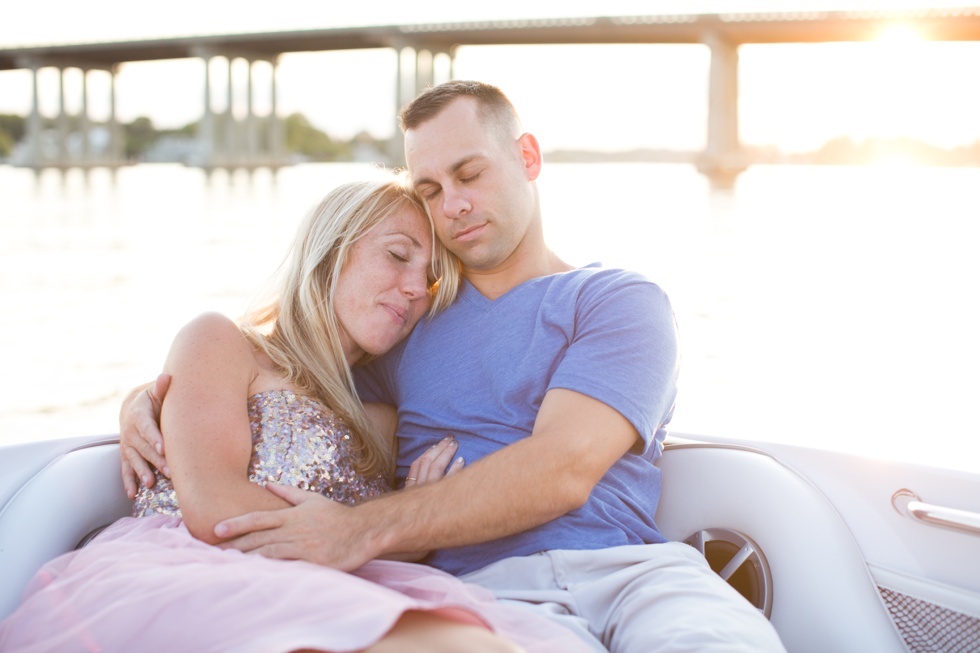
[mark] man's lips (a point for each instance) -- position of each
(469, 233)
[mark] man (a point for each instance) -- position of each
(557, 384)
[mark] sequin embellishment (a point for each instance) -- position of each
(296, 441)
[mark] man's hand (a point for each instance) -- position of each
(313, 530)
(309, 531)
(140, 440)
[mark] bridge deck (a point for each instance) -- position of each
(960, 24)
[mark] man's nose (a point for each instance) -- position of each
(455, 204)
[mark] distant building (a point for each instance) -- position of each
(99, 142)
(174, 148)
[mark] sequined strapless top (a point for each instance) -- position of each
(296, 441)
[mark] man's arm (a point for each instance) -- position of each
(140, 440)
(575, 440)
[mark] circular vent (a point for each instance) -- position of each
(739, 561)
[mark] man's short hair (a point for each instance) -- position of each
(494, 106)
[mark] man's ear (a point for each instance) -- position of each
(530, 155)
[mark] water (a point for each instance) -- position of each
(826, 306)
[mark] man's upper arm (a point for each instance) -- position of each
(624, 353)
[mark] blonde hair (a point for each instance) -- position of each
(298, 327)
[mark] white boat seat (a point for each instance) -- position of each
(823, 596)
(54, 509)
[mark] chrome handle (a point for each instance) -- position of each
(907, 503)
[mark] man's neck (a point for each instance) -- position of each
(494, 283)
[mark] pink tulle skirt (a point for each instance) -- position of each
(147, 585)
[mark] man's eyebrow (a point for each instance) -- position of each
(462, 162)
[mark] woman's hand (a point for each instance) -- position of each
(140, 440)
(435, 464)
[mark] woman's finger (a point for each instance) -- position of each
(443, 454)
(413, 474)
(434, 464)
(457, 465)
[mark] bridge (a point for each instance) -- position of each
(421, 48)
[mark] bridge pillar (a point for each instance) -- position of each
(62, 120)
(396, 146)
(424, 70)
(452, 63)
(34, 157)
(84, 125)
(205, 130)
(238, 143)
(423, 64)
(251, 142)
(723, 159)
(230, 147)
(116, 153)
(277, 136)
(51, 147)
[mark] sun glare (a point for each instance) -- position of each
(899, 35)
(895, 159)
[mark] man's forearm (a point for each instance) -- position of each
(576, 440)
(513, 490)
(528, 483)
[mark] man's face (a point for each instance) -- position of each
(473, 178)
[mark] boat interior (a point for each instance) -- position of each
(841, 553)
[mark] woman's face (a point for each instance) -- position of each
(383, 289)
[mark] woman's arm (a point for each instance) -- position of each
(205, 419)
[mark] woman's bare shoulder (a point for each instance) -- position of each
(214, 324)
(212, 339)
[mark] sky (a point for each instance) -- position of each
(606, 97)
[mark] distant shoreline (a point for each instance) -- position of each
(839, 151)
(143, 142)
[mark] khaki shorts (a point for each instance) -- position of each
(633, 599)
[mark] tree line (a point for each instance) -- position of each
(301, 136)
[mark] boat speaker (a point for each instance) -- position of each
(738, 560)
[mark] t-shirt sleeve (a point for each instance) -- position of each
(623, 351)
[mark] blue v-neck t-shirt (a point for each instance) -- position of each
(480, 369)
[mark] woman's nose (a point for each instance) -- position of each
(415, 284)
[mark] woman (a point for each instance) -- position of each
(272, 401)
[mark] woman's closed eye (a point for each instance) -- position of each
(398, 257)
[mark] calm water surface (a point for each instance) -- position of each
(824, 306)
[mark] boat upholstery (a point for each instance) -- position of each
(824, 599)
(53, 497)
